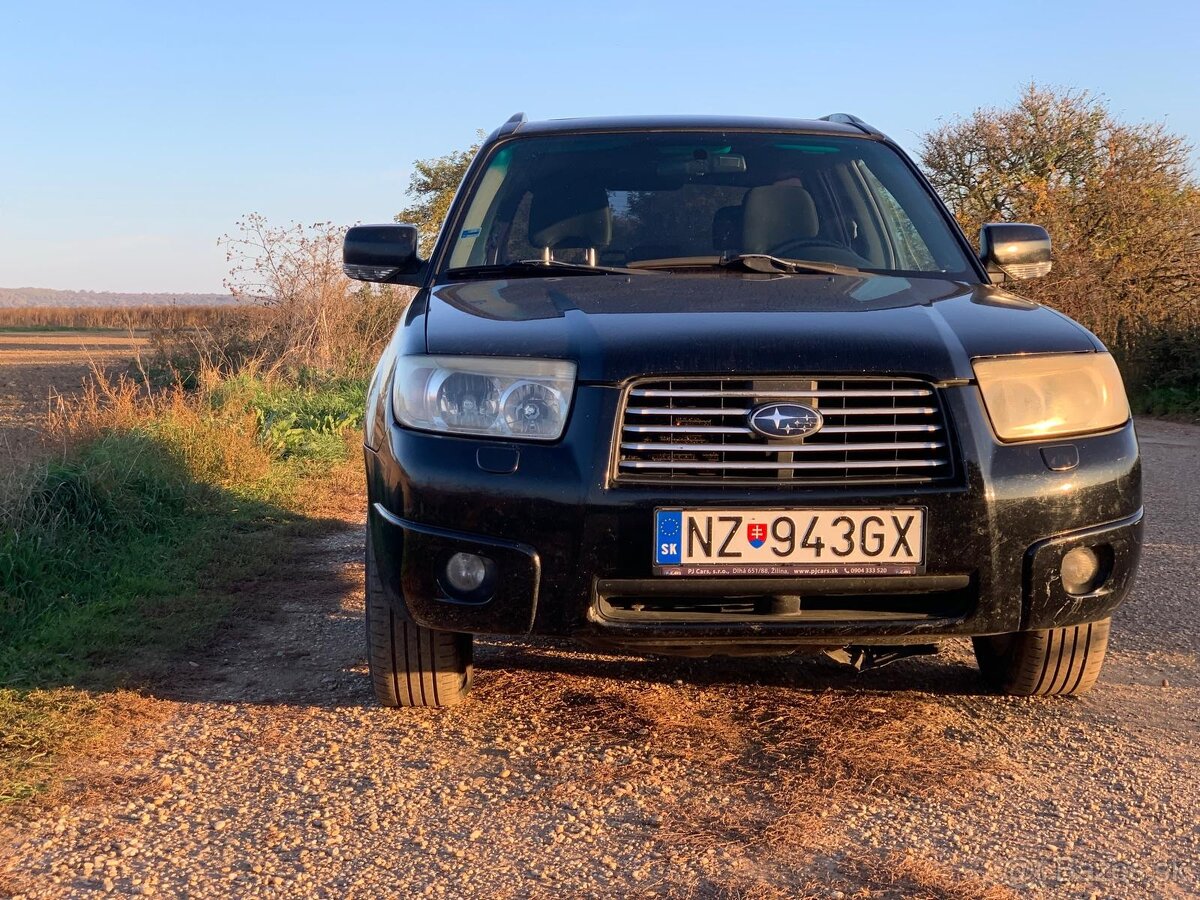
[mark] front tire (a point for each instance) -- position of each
(1054, 662)
(411, 665)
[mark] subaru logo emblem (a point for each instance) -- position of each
(785, 421)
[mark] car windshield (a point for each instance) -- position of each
(671, 200)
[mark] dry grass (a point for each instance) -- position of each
(796, 763)
(35, 367)
(338, 493)
(217, 447)
(124, 318)
(44, 750)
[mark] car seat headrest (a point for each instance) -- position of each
(565, 214)
(776, 214)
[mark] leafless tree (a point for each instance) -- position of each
(319, 317)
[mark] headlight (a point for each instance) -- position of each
(527, 399)
(1030, 397)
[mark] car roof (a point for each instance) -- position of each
(839, 124)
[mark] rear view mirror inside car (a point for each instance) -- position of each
(704, 163)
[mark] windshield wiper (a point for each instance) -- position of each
(535, 267)
(750, 262)
(763, 262)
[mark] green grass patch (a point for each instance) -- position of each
(305, 420)
(105, 555)
(114, 560)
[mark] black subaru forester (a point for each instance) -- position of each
(734, 386)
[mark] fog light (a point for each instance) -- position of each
(466, 572)
(1080, 570)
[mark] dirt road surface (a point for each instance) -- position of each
(38, 366)
(580, 775)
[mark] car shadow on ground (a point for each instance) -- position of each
(312, 654)
(941, 673)
(299, 639)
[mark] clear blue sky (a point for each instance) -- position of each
(132, 135)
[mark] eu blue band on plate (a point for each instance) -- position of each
(668, 527)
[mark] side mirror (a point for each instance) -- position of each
(1014, 251)
(382, 253)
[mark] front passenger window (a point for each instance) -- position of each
(911, 251)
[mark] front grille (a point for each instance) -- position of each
(697, 430)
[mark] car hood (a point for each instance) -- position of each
(616, 326)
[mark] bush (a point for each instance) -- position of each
(305, 418)
(1121, 204)
(319, 319)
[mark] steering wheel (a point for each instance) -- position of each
(794, 248)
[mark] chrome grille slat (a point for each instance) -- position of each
(882, 411)
(696, 430)
(771, 465)
(741, 411)
(781, 395)
(865, 429)
(721, 429)
(789, 448)
(686, 429)
(688, 411)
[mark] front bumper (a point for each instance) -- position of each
(573, 551)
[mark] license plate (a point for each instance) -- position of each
(789, 541)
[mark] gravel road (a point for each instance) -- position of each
(576, 774)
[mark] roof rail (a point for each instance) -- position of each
(847, 119)
(515, 121)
